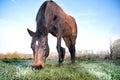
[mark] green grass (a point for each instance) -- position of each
(81, 70)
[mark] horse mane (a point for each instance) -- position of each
(41, 30)
(40, 19)
(41, 11)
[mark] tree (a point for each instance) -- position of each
(111, 49)
(116, 49)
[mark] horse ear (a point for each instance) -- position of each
(31, 33)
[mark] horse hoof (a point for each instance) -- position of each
(59, 64)
(72, 61)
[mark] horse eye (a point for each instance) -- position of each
(43, 47)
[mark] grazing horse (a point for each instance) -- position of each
(52, 19)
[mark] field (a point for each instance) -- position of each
(81, 70)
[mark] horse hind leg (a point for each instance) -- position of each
(72, 52)
(70, 43)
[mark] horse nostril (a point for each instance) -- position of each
(38, 65)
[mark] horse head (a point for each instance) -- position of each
(40, 49)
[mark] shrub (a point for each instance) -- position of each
(15, 56)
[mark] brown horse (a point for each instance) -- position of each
(52, 19)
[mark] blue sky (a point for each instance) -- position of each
(97, 21)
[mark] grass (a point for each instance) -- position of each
(81, 70)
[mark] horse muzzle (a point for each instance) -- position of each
(38, 65)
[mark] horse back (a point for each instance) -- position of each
(50, 14)
(56, 11)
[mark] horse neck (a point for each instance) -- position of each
(42, 30)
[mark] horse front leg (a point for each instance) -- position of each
(61, 50)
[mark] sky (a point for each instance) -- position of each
(98, 21)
